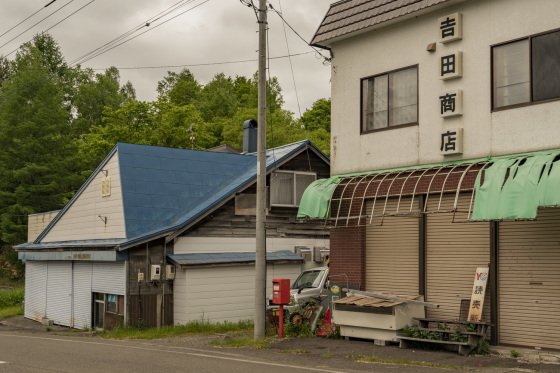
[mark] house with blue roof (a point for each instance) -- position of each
(162, 236)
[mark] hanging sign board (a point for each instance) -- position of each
(477, 297)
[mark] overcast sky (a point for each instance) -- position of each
(213, 31)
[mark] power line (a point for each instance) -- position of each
(56, 11)
(327, 59)
(131, 31)
(169, 10)
(43, 7)
(290, 59)
(202, 64)
(107, 49)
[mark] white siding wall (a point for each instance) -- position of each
(222, 293)
(485, 23)
(37, 223)
(191, 245)
(82, 222)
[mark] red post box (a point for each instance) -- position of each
(281, 291)
(281, 296)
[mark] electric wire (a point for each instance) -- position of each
(133, 30)
(290, 59)
(43, 7)
(89, 56)
(269, 102)
(326, 59)
(142, 33)
(56, 11)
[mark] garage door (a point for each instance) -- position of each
(59, 292)
(392, 248)
(81, 305)
(35, 290)
(453, 252)
(529, 281)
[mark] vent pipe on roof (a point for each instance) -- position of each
(250, 135)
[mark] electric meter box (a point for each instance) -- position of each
(170, 272)
(155, 273)
(281, 291)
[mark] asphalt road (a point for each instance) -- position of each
(32, 353)
(26, 346)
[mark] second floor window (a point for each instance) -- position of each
(526, 71)
(390, 99)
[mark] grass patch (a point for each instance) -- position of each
(193, 327)
(328, 355)
(10, 298)
(241, 342)
(373, 359)
(11, 311)
(292, 351)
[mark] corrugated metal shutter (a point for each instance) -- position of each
(59, 292)
(392, 248)
(109, 277)
(82, 294)
(529, 281)
(453, 252)
(35, 290)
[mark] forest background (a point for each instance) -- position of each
(57, 122)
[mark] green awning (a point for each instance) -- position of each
(514, 186)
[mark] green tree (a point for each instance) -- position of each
(319, 116)
(38, 168)
(95, 92)
(179, 89)
(151, 123)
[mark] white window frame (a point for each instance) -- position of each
(294, 197)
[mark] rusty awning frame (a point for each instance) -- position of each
(356, 187)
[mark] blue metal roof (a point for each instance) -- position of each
(231, 258)
(165, 189)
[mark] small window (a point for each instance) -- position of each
(526, 71)
(111, 303)
(390, 100)
(287, 187)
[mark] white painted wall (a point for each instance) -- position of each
(222, 293)
(485, 23)
(192, 245)
(81, 221)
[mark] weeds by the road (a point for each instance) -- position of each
(11, 311)
(11, 302)
(193, 327)
(373, 359)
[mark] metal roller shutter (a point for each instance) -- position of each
(81, 303)
(392, 249)
(59, 292)
(529, 281)
(35, 290)
(109, 277)
(453, 252)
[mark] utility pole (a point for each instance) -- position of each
(260, 255)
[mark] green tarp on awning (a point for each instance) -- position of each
(532, 181)
(315, 200)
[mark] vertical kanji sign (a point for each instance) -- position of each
(477, 298)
